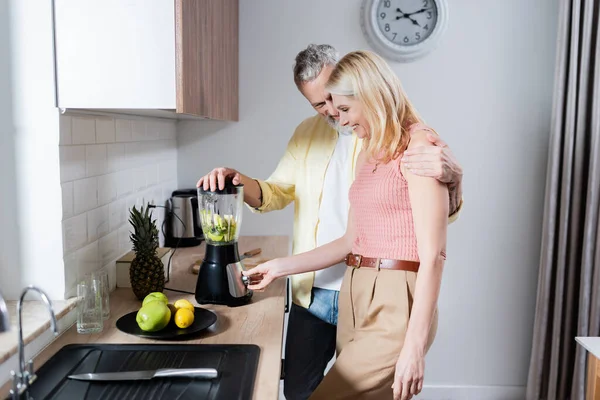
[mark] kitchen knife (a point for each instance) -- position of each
(197, 373)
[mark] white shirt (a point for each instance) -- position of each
(333, 211)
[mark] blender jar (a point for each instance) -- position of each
(221, 214)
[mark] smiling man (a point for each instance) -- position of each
(315, 173)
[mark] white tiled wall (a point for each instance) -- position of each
(108, 164)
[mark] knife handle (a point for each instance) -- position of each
(204, 373)
(253, 252)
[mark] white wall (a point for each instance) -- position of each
(488, 90)
(35, 147)
(9, 237)
(108, 164)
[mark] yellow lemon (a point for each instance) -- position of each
(184, 318)
(183, 303)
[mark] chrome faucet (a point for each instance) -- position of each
(4, 318)
(26, 375)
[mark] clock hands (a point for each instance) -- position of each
(405, 15)
(422, 10)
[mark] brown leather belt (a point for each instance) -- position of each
(358, 261)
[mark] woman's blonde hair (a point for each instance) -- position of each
(366, 76)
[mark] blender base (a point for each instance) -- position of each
(220, 277)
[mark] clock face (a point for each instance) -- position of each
(407, 22)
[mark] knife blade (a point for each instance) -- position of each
(196, 373)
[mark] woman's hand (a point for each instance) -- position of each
(410, 368)
(263, 274)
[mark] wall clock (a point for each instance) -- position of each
(404, 30)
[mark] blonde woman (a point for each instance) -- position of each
(394, 245)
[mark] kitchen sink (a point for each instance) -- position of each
(236, 366)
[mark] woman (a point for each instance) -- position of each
(397, 226)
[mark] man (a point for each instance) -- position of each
(315, 173)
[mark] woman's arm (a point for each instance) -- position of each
(319, 258)
(314, 260)
(429, 203)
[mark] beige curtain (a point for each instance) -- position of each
(568, 291)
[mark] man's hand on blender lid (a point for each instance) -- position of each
(217, 177)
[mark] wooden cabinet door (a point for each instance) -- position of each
(207, 58)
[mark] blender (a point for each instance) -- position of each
(220, 279)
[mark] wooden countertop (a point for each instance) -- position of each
(260, 322)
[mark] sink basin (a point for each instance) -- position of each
(236, 365)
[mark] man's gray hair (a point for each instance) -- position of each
(311, 61)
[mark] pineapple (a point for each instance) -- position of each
(146, 273)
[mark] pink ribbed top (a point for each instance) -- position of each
(381, 211)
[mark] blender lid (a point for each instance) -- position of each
(230, 188)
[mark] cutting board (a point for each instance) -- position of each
(236, 365)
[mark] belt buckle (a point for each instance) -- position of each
(358, 258)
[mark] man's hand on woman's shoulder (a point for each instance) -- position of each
(432, 157)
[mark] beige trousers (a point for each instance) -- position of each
(374, 309)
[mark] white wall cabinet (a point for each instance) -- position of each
(175, 55)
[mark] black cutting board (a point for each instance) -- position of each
(236, 365)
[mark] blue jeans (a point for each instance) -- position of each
(324, 305)
(310, 343)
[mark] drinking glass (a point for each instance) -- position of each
(102, 276)
(89, 305)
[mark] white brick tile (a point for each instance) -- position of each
(84, 130)
(107, 188)
(74, 233)
(117, 214)
(151, 175)
(173, 170)
(97, 223)
(132, 155)
(108, 248)
(115, 153)
(66, 137)
(72, 163)
(167, 190)
(164, 171)
(67, 200)
(147, 196)
(146, 154)
(123, 130)
(167, 130)
(159, 150)
(105, 130)
(130, 201)
(136, 200)
(157, 198)
(124, 183)
(87, 260)
(171, 186)
(139, 178)
(138, 130)
(153, 128)
(85, 195)
(96, 160)
(124, 240)
(70, 261)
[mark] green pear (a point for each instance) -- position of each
(154, 296)
(153, 316)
